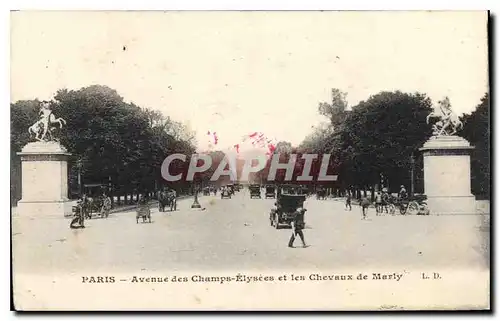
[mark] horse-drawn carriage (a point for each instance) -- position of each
(167, 199)
(255, 191)
(270, 191)
(415, 205)
(206, 191)
(98, 205)
(94, 201)
(95, 205)
(286, 207)
(82, 206)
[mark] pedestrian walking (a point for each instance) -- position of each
(365, 203)
(106, 205)
(298, 224)
(348, 201)
(378, 203)
(385, 200)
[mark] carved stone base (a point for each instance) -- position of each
(452, 205)
(44, 180)
(45, 209)
(447, 175)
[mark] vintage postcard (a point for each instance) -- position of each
(250, 160)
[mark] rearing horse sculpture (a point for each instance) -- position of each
(42, 127)
(448, 122)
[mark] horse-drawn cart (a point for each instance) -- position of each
(415, 205)
(166, 199)
(144, 212)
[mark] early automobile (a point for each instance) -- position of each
(225, 193)
(304, 189)
(255, 191)
(285, 209)
(230, 188)
(290, 189)
(270, 191)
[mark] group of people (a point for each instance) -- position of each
(382, 200)
(85, 203)
(84, 208)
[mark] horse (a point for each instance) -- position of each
(42, 127)
(442, 125)
(59, 120)
(36, 129)
(162, 201)
(166, 199)
(172, 201)
(49, 121)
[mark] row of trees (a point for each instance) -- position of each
(112, 142)
(376, 141)
(477, 131)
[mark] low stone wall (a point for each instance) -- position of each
(483, 206)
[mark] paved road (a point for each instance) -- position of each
(235, 233)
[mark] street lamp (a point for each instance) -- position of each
(79, 165)
(196, 204)
(412, 174)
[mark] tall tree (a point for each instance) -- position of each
(477, 131)
(382, 134)
(337, 110)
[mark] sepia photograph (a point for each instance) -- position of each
(250, 160)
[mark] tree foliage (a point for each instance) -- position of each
(337, 110)
(476, 130)
(375, 137)
(113, 140)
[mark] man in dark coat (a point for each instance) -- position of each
(298, 224)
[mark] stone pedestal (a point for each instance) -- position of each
(447, 175)
(44, 180)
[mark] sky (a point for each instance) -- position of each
(236, 73)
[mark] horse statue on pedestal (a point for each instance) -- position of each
(42, 128)
(448, 122)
